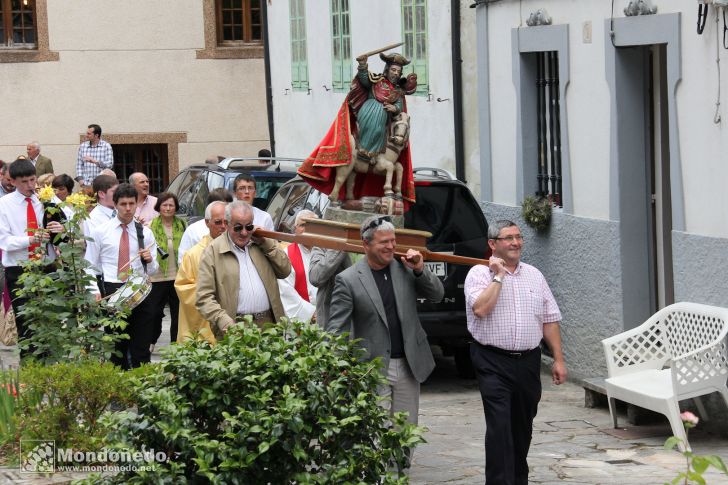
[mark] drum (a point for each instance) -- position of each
(132, 293)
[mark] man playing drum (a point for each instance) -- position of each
(122, 251)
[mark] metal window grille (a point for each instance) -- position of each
(549, 127)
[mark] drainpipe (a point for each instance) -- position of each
(457, 90)
(486, 162)
(268, 83)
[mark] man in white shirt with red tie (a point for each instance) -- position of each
(122, 249)
(21, 215)
(298, 295)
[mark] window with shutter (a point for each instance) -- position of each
(414, 34)
(341, 45)
(299, 58)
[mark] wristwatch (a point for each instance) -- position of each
(498, 279)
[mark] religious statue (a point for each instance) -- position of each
(369, 137)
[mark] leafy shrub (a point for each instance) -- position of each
(281, 405)
(63, 402)
(9, 387)
(65, 321)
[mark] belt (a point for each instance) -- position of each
(513, 354)
(260, 316)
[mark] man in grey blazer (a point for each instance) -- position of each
(376, 300)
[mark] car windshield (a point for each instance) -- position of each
(453, 217)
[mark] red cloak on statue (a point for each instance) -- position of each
(319, 169)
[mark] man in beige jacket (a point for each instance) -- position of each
(238, 274)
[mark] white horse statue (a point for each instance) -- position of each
(384, 164)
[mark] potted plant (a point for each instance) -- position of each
(536, 211)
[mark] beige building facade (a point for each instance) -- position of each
(171, 82)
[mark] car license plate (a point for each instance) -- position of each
(439, 268)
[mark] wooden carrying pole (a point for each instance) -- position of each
(346, 237)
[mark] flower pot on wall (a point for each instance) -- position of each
(536, 212)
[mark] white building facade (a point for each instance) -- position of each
(169, 82)
(623, 123)
(611, 117)
(314, 45)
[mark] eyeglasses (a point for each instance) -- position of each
(219, 222)
(247, 227)
(510, 239)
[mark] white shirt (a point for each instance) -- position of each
(297, 308)
(252, 297)
(103, 252)
(192, 235)
(14, 240)
(262, 219)
(99, 216)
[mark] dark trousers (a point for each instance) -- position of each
(12, 274)
(163, 293)
(135, 350)
(510, 389)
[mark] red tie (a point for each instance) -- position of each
(32, 227)
(123, 263)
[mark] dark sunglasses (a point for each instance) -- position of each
(376, 223)
(247, 227)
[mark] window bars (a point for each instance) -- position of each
(548, 127)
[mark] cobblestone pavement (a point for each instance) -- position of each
(568, 446)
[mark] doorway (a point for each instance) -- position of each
(658, 160)
(150, 159)
(645, 193)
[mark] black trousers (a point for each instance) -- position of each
(12, 274)
(163, 293)
(135, 351)
(510, 389)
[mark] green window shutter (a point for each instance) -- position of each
(340, 45)
(299, 61)
(414, 34)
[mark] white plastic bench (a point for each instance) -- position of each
(679, 353)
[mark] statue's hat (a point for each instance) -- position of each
(394, 58)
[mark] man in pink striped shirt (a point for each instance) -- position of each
(510, 308)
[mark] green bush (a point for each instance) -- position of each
(63, 402)
(286, 404)
(65, 320)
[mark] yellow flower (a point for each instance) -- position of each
(46, 193)
(77, 200)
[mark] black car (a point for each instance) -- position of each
(194, 183)
(446, 208)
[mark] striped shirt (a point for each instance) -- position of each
(252, 297)
(102, 152)
(524, 304)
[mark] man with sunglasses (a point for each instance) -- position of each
(510, 308)
(376, 300)
(197, 230)
(190, 320)
(239, 273)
